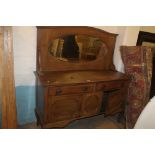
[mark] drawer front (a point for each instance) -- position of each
(65, 90)
(105, 86)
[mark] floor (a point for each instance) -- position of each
(96, 122)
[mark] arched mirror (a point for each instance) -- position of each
(75, 48)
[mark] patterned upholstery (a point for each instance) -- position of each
(138, 64)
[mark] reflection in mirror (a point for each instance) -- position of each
(75, 48)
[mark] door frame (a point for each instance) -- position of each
(7, 83)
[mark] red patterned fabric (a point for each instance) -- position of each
(138, 64)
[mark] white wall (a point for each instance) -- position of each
(131, 35)
(111, 29)
(148, 29)
(24, 47)
(127, 36)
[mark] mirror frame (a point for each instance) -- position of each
(46, 62)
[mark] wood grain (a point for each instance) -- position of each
(67, 91)
(7, 89)
(47, 62)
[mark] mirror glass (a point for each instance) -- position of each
(75, 48)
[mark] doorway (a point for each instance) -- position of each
(7, 89)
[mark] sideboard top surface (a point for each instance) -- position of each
(79, 77)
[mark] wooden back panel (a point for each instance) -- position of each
(47, 62)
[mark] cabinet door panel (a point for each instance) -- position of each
(115, 102)
(91, 104)
(62, 108)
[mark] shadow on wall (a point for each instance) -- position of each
(25, 100)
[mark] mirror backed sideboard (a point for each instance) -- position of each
(75, 76)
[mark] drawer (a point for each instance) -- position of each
(109, 85)
(65, 90)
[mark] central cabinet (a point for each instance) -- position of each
(73, 106)
(74, 86)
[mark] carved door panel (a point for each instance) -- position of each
(115, 102)
(91, 104)
(61, 108)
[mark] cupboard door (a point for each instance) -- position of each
(91, 104)
(61, 108)
(115, 102)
